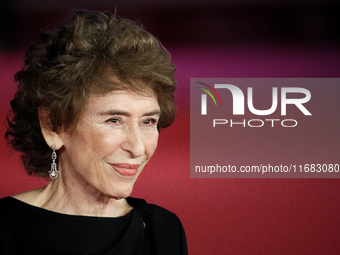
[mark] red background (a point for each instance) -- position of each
(220, 216)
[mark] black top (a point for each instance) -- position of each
(147, 229)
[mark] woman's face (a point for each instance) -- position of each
(115, 137)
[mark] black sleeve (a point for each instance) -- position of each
(164, 232)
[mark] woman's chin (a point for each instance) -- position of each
(122, 193)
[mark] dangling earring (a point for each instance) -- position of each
(53, 172)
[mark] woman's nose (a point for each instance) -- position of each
(133, 142)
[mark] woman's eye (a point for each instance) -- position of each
(114, 120)
(150, 122)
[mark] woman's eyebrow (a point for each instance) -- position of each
(114, 112)
(157, 112)
(125, 113)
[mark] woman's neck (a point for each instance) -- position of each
(70, 195)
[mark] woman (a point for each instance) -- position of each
(91, 100)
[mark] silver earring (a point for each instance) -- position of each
(53, 173)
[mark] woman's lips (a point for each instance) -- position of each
(128, 170)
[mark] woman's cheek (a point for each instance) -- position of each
(152, 144)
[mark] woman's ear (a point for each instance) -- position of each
(51, 137)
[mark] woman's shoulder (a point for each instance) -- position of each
(4, 202)
(20, 204)
(7, 203)
(153, 209)
(29, 197)
(155, 214)
(164, 229)
(21, 199)
(10, 206)
(11, 210)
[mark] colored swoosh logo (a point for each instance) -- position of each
(209, 93)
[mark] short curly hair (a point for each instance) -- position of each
(63, 68)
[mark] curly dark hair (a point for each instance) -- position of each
(63, 68)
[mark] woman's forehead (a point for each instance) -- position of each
(126, 99)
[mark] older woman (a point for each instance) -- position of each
(91, 100)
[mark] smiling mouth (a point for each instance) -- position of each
(127, 170)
